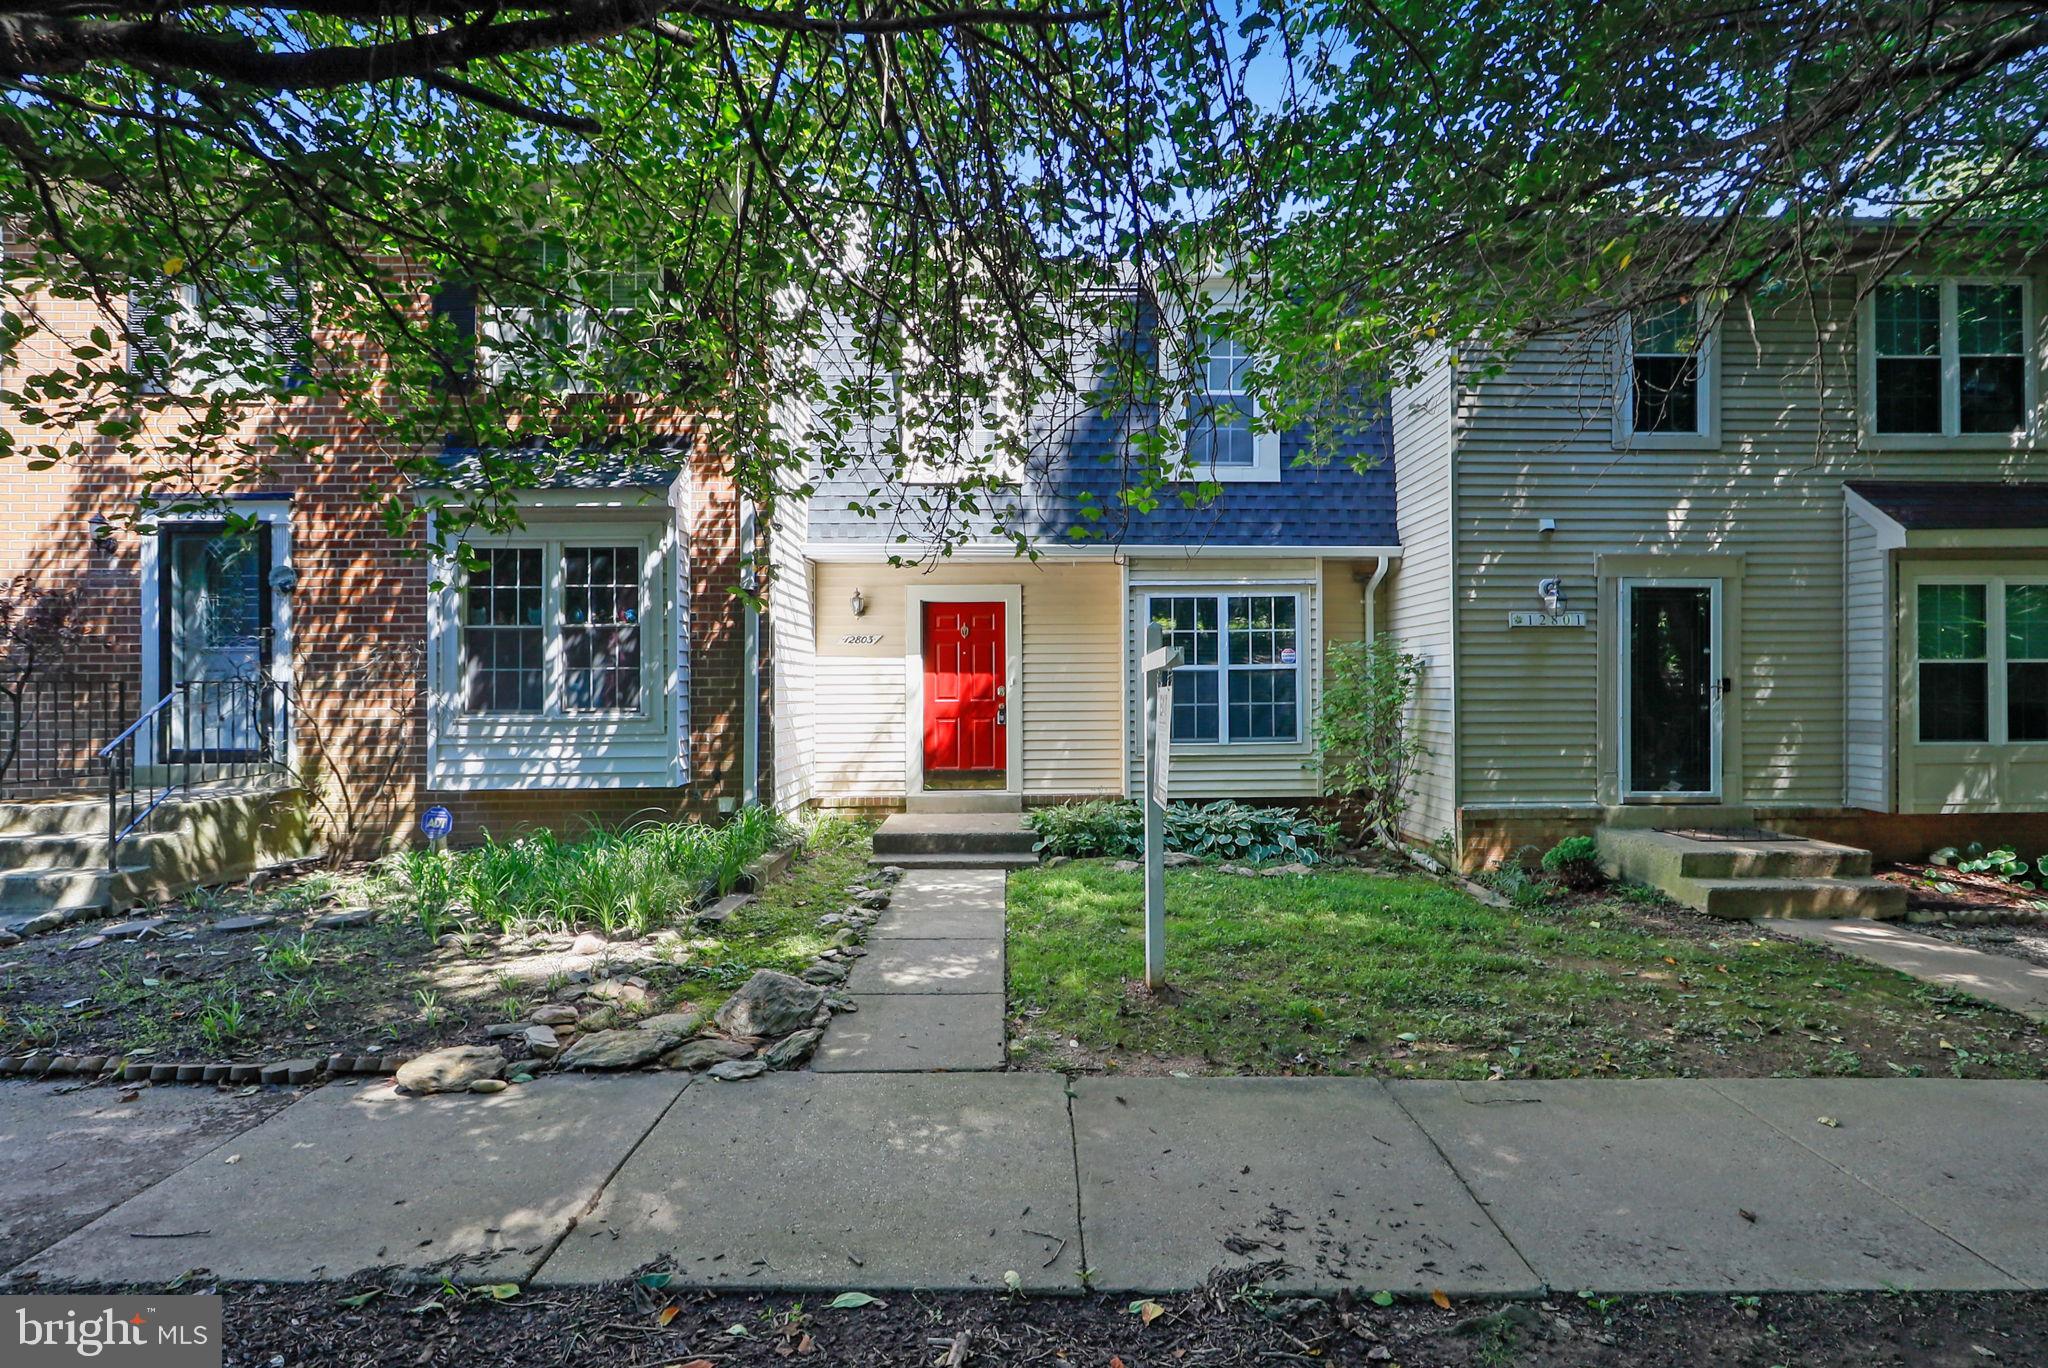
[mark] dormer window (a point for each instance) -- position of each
(1224, 439)
(1668, 394)
(1948, 359)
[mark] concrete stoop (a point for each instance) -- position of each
(53, 853)
(962, 840)
(1743, 880)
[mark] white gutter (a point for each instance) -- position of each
(871, 552)
(1372, 590)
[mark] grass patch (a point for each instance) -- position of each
(1351, 971)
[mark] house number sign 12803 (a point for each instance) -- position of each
(861, 639)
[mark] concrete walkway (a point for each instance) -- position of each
(823, 1182)
(2015, 984)
(930, 989)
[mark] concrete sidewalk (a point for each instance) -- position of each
(823, 1182)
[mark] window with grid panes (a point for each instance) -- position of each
(601, 628)
(1982, 660)
(555, 629)
(1666, 370)
(1949, 358)
(1241, 679)
(504, 632)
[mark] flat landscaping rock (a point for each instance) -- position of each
(929, 966)
(915, 1032)
(1940, 1147)
(1180, 1176)
(66, 1156)
(1642, 1187)
(818, 1182)
(349, 1179)
(231, 925)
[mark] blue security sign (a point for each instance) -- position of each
(437, 822)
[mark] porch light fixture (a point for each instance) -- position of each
(860, 605)
(100, 534)
(1552, 593)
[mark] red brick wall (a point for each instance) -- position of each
(359, 619)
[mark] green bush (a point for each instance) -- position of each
(638, 877)
(1223, 830)
(1575, 863)
(1368, 756)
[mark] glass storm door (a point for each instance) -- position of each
(216, 641)
(1671, 688)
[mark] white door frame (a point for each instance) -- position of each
(154, 583)
(1011, 596)
(1717, 671)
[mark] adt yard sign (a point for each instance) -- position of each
(436, 822)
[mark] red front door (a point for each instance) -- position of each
(964, 726)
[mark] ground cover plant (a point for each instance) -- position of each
(1364, 970)
(412, 977)
(1222, 830)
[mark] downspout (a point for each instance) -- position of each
(1372, 592)
(750, 658)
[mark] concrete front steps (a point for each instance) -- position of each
(1743, 880)
(956, 840)
(53, 852)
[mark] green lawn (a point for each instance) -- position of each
(1349, 971)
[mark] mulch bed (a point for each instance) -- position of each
(1229, 1322)
(1977, 897)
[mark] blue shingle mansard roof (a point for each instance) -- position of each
(1347, 500)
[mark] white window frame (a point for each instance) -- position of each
(582, 324)
(1010, 431)
(1223, 667)
(1706, 432)
(1265, 466)
(185, 322)
(553, 544)
(1997, 728)
(1951, 434)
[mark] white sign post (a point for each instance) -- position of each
(1158, 665)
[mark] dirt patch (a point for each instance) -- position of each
(1231, 1322)
(204, 984)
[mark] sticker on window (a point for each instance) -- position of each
(1286, 655)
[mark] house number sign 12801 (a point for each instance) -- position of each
(861, 639)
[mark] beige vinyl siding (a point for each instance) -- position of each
(1069, 741)
(1418, 592)
(1200, 772)
(1867, 668)
(1538, 441)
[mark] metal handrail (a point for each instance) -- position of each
(138, 723)
(242, 737)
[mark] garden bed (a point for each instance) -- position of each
(391, 959)
(1941, 891)
(1380, 971)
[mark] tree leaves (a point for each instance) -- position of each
(853, 1301)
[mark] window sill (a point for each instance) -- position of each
(1667, 441)
(1935, 441)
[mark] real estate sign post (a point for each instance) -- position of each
(1159, 664)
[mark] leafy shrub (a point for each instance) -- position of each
(1369, 757)
(638, 877)
(1223, 830)
(1575, 863)
(1513, 881)
(2002, 863)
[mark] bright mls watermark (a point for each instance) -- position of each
(113, 1332)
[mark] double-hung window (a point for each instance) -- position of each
(1670, 393)
(1949, 358)
(1982, 660)
(1241, 681)
(554, 629)
(1225, 441)
(576, 313)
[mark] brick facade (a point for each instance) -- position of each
(359, 619)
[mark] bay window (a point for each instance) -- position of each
(553, 629)
(1949, 359)
(1241, 680)
(1982, 660)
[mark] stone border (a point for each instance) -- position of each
(118, 1068)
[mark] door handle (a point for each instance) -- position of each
(1000, 711)
(1723, 687)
